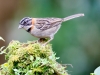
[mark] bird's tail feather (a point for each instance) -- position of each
(72, 17)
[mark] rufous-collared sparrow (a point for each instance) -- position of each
(44, 27)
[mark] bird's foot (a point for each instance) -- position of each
(44, 44)
(41, 40)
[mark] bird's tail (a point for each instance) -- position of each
(72, 17)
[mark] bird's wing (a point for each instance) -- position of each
(47, 23)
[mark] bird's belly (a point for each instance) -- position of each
(45, 33)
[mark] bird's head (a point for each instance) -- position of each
(25, 23)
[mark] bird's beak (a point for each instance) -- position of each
(20, 26)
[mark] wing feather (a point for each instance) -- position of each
(47, 23)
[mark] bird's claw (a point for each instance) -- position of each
(44, 45)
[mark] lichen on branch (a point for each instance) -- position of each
(30, 58)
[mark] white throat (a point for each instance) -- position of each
(27, 27)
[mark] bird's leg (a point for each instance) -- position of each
(41, 39)
(51, 38)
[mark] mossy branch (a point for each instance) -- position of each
(30, 58)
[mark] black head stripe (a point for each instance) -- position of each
(26, 21)
(23, 20)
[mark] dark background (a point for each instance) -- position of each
(76, 43)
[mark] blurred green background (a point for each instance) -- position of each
(78, 40)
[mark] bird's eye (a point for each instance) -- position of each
(24, 23)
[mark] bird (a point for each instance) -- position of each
(44, 27)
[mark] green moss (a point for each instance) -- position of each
(30, 58)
